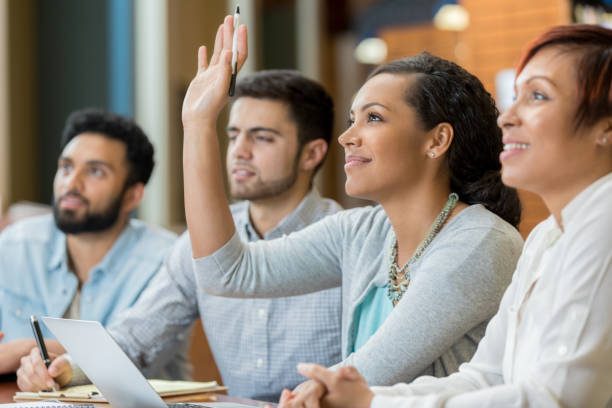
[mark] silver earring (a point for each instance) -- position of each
(604, 140)
(432, 154)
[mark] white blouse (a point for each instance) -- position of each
(550, 343)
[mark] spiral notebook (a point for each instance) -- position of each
(43, 404)
(89, 393)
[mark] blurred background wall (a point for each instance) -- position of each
(136, 57)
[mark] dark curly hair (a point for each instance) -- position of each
(445, 92)
(138, 147)
(310, 105)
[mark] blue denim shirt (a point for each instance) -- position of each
(35, 278)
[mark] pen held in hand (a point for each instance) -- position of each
(40, 341)
(232, 86)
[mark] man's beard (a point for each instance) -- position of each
(262, 190)
(67, 222)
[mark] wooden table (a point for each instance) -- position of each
(8, 389)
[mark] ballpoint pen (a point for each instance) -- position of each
(40, 341)
(234, 52)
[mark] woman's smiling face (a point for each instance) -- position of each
(385, 144)
(543, 150)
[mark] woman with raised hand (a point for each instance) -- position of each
(423, 271)
(550, 344)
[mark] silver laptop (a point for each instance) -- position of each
(109, 368)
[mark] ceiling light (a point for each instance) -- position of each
(452, 17)
(371, 51)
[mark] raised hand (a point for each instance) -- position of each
(208, 91)
(207, 211)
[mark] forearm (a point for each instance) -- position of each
(457, 383)
(12, 351)
(506, 395)
(302, 262)
(207, 210)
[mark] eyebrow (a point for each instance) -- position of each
(255, 129)
(545, 78)
(92, 162)
(370, 104)
(100, 163)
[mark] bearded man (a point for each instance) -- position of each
(89, 260)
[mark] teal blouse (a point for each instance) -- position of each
(370, 315)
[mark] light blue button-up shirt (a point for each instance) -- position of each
(35, 278)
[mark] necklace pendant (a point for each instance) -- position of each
(395, 292)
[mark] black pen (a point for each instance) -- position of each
(40, 341)
(234, 53)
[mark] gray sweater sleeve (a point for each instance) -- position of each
(305, 261)
(458, 286)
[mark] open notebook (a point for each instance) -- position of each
(90, 393)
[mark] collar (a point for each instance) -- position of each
(570, 212)
(59, 254)
(307, 212)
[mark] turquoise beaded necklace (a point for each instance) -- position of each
(402, 275)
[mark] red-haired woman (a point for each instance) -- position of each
(550, 343)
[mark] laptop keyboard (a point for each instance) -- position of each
(207, 404)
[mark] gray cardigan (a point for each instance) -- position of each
(456, 285)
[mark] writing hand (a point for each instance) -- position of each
(34, 376)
